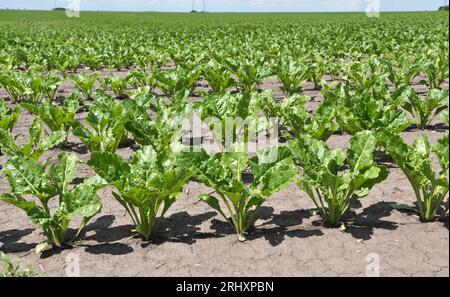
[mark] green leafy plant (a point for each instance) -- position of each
(402, 68)
(173, 81)
(435, 66)
(56, 117)
(148, 185)
(292, 76)
(445, 117)
(161, 131)
(12, 85)
(106, 130)
(291, 112)
(267, 103)
(27, 177)
(317, 69)
(366, 75)
(141, 79)
(249, 73)
(231, 117)
(430, 187)
(12, 268)
(272, 168)
(64, 61)
(117, 84)
(39, 141)
(8, 116)
(425, 109)
(218, 77)
(143, 96)
(370, 109)
(31, 86)
(85, 83)
(321, 124)
(324, 178)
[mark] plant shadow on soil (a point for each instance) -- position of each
(179, 227)
(10, 241)
(412, 211)
(185, 228)
(281, 226)
(106, 236)
(182, 227)
(440, 127)
(362, 225)
(78, 148)
(274, 235)
(381, 157)
(445, 221)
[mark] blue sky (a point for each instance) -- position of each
(230, 5)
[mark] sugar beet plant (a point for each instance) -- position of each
(147, 185)
(237, 202)
(429, 185)
(161, 131)
(117, 84)
(223, 115)
(140, 78)
(29, 178)
(249, 72)
(31, 86)
(85, 83)
(373, 108)
(425, 109)
(38, 143)
(8, 116)
(56, 117)
(105, 125)
(11, 267)
(151, 182)
(177, 80)
(292, 76)
(321, 124)
(334, 179)
(218, 77)
(291, 112)
(435, 66)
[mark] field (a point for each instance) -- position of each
(357, 185)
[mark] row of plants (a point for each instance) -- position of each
(375, 81)
(153, 178)
(245, 75)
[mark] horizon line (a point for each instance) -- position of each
(201, 11)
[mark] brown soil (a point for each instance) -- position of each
(287, 240)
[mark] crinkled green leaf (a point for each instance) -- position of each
(109, 166)
(7, 144)
(213, 202)
(442, 151)
(360, 154)
(206, 168)
(27, 176)
(53, 140)
(83, 201)
(64, 172)
(17, 201)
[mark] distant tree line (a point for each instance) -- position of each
(443, 7)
